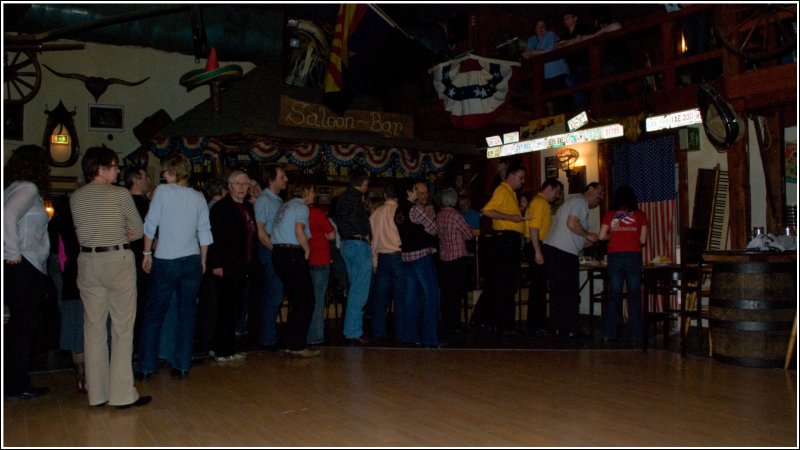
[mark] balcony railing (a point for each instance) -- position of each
(641, 66)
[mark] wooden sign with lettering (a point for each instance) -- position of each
(297, 113)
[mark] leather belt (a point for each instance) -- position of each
(355, 238)
(110, 248)
(507, 233)
(286, 246)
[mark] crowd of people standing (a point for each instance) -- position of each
(406, 258)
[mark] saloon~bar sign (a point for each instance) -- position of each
(297, 113)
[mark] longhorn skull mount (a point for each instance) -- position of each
(95, 85)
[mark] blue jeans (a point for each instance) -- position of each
(169, 332)
(271, 298)
(422, 298)
(316, 330)
(180, 277)
(624, 267)
(358, 261)
(390, 282)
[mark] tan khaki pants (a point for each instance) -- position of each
(107, 282)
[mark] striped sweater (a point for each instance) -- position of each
(102, 213)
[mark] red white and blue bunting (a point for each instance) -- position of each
(389, 162)
(472, 88)
(264, 150)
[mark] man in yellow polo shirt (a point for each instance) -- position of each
(536, 229)
(495, 307)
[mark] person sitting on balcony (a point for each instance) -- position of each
(555, 72)
(577, 64)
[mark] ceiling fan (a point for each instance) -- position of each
(722, 125)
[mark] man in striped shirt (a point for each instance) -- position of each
(106, 220)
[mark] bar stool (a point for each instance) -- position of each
(696, 296)
(523, 283)
(662, 285)
(594, 273)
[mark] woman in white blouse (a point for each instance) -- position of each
(26, 247)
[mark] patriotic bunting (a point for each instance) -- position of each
(377, 161)
(473, 89)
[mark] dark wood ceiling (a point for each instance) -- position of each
(424, 21)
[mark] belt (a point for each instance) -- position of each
(355, 238)
(110, 248)
(507, 233)
(286, 246)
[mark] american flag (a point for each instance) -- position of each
(649, 168)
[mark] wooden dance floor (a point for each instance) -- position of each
(359, 397)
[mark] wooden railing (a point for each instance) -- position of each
(657, 76)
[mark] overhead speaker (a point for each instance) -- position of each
(722, 125)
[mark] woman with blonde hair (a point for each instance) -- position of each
(180, 215)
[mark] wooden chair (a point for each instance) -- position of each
(662, 288)
(695, 287)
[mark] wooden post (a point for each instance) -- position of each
(770, 145)
(739, 189)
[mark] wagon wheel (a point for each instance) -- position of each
(22, 77)
(757, 31)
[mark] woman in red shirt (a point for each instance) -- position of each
(319, 262)
(626, 230)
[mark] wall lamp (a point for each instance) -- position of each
(567, 157)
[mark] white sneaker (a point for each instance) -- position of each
(234, 357)
(304, 353)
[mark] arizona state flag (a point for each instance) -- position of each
(359, 34)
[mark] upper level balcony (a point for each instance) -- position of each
(654, 65)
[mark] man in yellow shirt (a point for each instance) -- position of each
(536, 228)
(502, 254)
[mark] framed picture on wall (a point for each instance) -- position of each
(551, 167)
(105, 117)
(324, 195)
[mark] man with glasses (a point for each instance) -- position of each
(106, 220)
(233, 260)
(503, 252)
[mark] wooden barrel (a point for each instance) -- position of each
(751, 312)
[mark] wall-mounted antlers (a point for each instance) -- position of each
(95, 85)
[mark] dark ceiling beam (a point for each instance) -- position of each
(70, 31)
